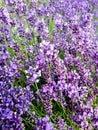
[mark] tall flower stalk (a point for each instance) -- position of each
(48, 64)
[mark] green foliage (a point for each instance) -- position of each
(38, 109)
(21, 81)
(61, 54)
(11, 51)
(51, 25)
(60, 111)
(89, 121)
(95, 102)
(29, 124)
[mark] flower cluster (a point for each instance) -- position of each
(14, 102)
(44, 124)
(48, 64)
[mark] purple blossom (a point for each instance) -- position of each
(66, 59)
(44, 124)
(61, 124)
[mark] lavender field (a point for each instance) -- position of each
(48, 64)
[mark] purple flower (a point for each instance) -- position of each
(44, 124)
(61, 124)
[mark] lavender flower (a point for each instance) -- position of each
(44, 124)
(54, 41)
(61, 124)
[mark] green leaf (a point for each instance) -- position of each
(61, 54)
(51, 25)
(89, 121)
(92, 74)
(38, 108)
(11, 51)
